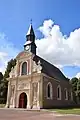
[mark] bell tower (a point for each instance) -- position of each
(30, 45)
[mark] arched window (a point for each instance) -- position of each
(65, 94)
(24, 68)
(71, 95)
(49, 91)
(59, 92)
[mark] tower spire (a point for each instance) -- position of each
(30, 45)
(30, 30)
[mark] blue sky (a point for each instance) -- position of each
(15, 18)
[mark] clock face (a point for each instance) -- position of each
(27, 47)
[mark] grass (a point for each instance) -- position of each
(67, 111)
(2, 105)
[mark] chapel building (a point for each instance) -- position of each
(36, 83)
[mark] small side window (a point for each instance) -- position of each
(59, 92)
(49, 91)
(65, 94)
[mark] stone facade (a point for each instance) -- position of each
(28, 84)
(55, 102)
(34, 84)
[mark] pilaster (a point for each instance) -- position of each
(8, 95)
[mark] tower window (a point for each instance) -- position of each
(49, 91)
(24, 68)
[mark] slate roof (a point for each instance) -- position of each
(30, 30)
(28, 42)
(50, 69)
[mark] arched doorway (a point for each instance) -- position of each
(23, 100)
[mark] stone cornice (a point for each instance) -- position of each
(23, 77)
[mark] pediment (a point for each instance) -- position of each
(23, 54)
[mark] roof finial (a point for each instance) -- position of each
(31, 21)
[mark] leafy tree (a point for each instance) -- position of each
(76, 88)
(1, 76)
(4, 82)
(10, 64)
(1, 85)
(79, 84)
(74, 82)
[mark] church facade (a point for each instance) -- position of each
(35, 83)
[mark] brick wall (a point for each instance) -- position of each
(47, 103)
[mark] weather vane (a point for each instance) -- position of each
(31, 21)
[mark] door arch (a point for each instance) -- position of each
(23, 100)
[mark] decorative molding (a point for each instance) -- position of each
(23, 55)
(19, 64)
(37, 67)
(23, 86)
(12, 90)
(35, 90)
(34, 67)
(13, 72)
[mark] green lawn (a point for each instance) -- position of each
(67, 111)
(2, 105)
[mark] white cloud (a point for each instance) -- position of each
(7, 51)
(78, 75)
(56, 47)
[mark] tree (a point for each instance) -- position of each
(10, 64)
(1, 76)
(76, 88)
(1, 85)
(74, 82)
(4, 82)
